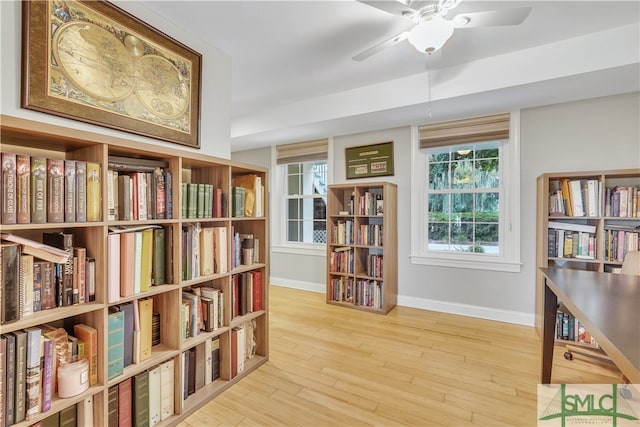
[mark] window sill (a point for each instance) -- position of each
(301, 249)
(486, 263)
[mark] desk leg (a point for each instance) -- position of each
(548, 332)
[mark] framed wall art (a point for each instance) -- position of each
(368, 161)
(94, 62)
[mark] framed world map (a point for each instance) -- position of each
(94, 62)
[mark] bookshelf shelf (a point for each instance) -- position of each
(579, 214)
(362, 248)
(35, 139)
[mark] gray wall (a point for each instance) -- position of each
(602, 133)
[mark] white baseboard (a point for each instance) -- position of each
(487, 313)
(298, 284)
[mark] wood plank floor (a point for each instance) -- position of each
(331, 366)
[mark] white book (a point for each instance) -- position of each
(137, 266)
(259, 189)
(576, 197)
(85, 412)
(208, 359)
(166, 389)
(113, 280)
(154, 396)
(592, 195)
(572, 226)
(241, 348)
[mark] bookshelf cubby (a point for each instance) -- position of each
(362, 271)
(582, 224)
(31, 138)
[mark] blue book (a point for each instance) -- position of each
(127, 309)
(115, 352)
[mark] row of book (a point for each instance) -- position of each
(341, 289)
(370, 235)
(30, 360)
(370, 204)
(368, 293)
(133, 329)
(248, 196)
(576, 197)
(138, 258)
(246, 293)
(38, 190)
(571, 329)
(341, 260)
(204, 251)
(144, 399)
(203, 201)
(201, 366)
(622, 202)
(620, 241)
(342, 232)
(374, 265)
(570, 240)
(40, 276)
(80, 414)
(139, 196)
(202, 310)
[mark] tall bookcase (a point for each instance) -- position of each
(362, 246)
(54, 142)
(586, 220)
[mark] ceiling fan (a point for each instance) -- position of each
(431, 30)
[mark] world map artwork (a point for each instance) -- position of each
(98, 63)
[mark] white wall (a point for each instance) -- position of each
(601, 133)
(215, 110)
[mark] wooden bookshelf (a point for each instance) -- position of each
(362, 246)
(50, 141)
(584, 238)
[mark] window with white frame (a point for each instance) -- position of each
(466, 176)
(303, 171)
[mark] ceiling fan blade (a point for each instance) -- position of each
(392, 7)
(492, 18)
(380, 46)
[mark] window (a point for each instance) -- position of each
(306, 202)
(465, 181)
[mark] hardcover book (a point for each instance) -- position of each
(69, 417)
(125, 403)
(55, 190)
(81, 191)
(141, 399)
(27, 285)
(63, 241)
(10, 281)
(10, 371)
(3, 378)
(32, 400)
(145, 310)
(70, 190)
(94, 192)
(20, 375)
(154, 395)
(38, 190)
(168, 178)
(89, 336)
(158, 270)
(115, 342)
(114, 267)
(166, 389)
(48, 362)
(113, 404)
(23, 189)
(85, 412)
(9, 188)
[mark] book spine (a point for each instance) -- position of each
(9, 188)
(81, 191)
(69, 190)
(115, 353)
(55, 190)
(10, 282)
(141, 399)
(23, 189)
(93, 193)
(169, 195)
(125, 407)
(33, 373)
(10, 369)
(38, 190)
(113, 404)
(21, 376)
(47, 373)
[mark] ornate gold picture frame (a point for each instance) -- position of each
(92, 61)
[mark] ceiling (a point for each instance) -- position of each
(293, 77)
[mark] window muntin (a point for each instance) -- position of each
(463, 198)
(305, 202)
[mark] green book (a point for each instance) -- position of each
(200, 204)
(237, 202)
(141, 399)
(184, 199)
(68, 417)
(115, 351)
(192, 200)
(113, 405)
(158, 267)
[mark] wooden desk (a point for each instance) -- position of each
(608, 305)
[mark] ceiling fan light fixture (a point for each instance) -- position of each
(430, 35)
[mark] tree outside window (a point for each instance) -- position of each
(306, 201)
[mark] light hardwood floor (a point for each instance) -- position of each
(331, 366)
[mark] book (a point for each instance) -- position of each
(158, 276)
(68, 416)
(91, 278)
(234, 352)
(166, 389)
(112, 195)
(25, 282)
(10, 301)
(257, 290)
(200, 371)
(208, 362)
(48, 294)
(192, 200)
(115, 343)
(146, 259)
(63, 241)
(154, 395)
(20, 375)
(85, 412)
(220, 245)
(3, 378)
(141, 399)
(23, 189)
(124, 197)
(125, 403)
(70, 190)
(125, 266)
(113, 404)
(114, 269)
(168, 178)
(32, 401)
(252, 186)
(191, 371)
(89, 336)
(9, 188)
(145, 311)
(81, 191)
(168, 254)
(207, 265)
(128, 325)
(217, 203)
(38, 190)
(79, 274)
(37, 249)
(48, 361)
(572, 226)
(200, 200)
(94, 192)
(55, 190)
(10, 372)
(215, 358)
(237, 202)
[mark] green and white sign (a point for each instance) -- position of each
(369, 160)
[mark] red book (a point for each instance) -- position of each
(234, 353)
(125, 396)
(257, 290)
(235, 296)
(217, 203)
(127, 261)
